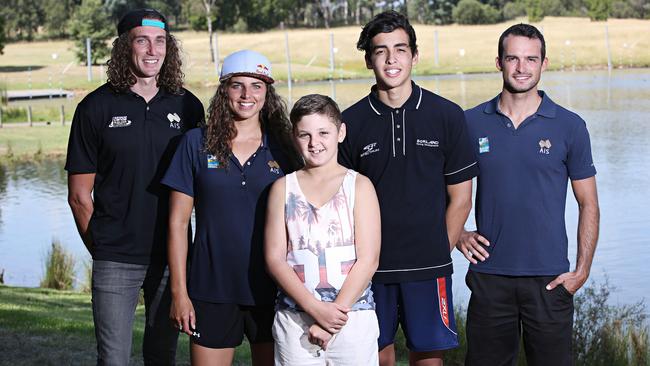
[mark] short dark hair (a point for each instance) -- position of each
(315, 104)
(524, 30)
(385, 22)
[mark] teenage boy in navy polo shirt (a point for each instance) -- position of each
(122, 137)
(528, 147)
(413, 145)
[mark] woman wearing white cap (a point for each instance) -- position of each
(224, 170)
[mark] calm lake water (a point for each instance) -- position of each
(33, 207)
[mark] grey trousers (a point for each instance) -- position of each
(115, 290)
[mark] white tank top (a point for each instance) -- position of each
(320, 246)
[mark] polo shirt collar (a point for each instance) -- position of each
(162, 92)
(547, 108)
(412, 103)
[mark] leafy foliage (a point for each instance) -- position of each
(598, 9)
(91, 20)
(473, 12)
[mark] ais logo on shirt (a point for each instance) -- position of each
(545, 146)
(174, 120)
(274, 167)
(213, 163)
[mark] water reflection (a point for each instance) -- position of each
(615, 107)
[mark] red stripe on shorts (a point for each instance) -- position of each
(443, 304)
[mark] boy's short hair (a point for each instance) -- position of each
(523, 30)
(385, 22)
(316, 104)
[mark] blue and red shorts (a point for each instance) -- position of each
(424, 309)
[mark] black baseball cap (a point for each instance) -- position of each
(140, 17)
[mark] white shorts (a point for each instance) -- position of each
(354, 345)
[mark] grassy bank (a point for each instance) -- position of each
(23, 143)
(571, 42)
(39, 326)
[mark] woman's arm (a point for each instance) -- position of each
(180, 211)
(330, 316)
(367, 241)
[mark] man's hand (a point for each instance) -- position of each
(319, 336)
(572, 281)
(471, 244)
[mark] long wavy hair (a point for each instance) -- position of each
(121, 78)
(220, 124)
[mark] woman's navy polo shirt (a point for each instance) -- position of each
(411, 154)
(128, 144)
(522, 189)
(227, 262)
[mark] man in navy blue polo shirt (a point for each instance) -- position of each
(414, 147)
(122, 137)
(528, 147)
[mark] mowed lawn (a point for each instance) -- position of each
(50, 327)
(571, 42)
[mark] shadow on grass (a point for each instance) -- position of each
(20, 68)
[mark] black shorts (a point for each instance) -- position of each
(224, 325)
(503, 308)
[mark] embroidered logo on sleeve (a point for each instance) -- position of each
(483, 145)
(545, 146)
(213, 163)
(174, 120)
(119, 121)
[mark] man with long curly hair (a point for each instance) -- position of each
(122, 138)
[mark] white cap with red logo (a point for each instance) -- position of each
(247, 63)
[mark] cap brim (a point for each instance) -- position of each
(264, 78)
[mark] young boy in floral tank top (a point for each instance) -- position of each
(322, 244)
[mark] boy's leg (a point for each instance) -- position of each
(386, 299)
(492, 320)
(115, 289)
(547, 322)
(356, 343)
(292, 346)
(160, 338)
(427, 318)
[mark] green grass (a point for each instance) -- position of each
(40, 326)
(25, 143)
(51, 327)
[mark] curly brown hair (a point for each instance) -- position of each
(220, 124)
(121, 78)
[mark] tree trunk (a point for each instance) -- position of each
(208, 20)
(357, 13)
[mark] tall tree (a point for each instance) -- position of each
(92, 21)
(598, 9)
(117, 8)
(57, 14)
(22, 17)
